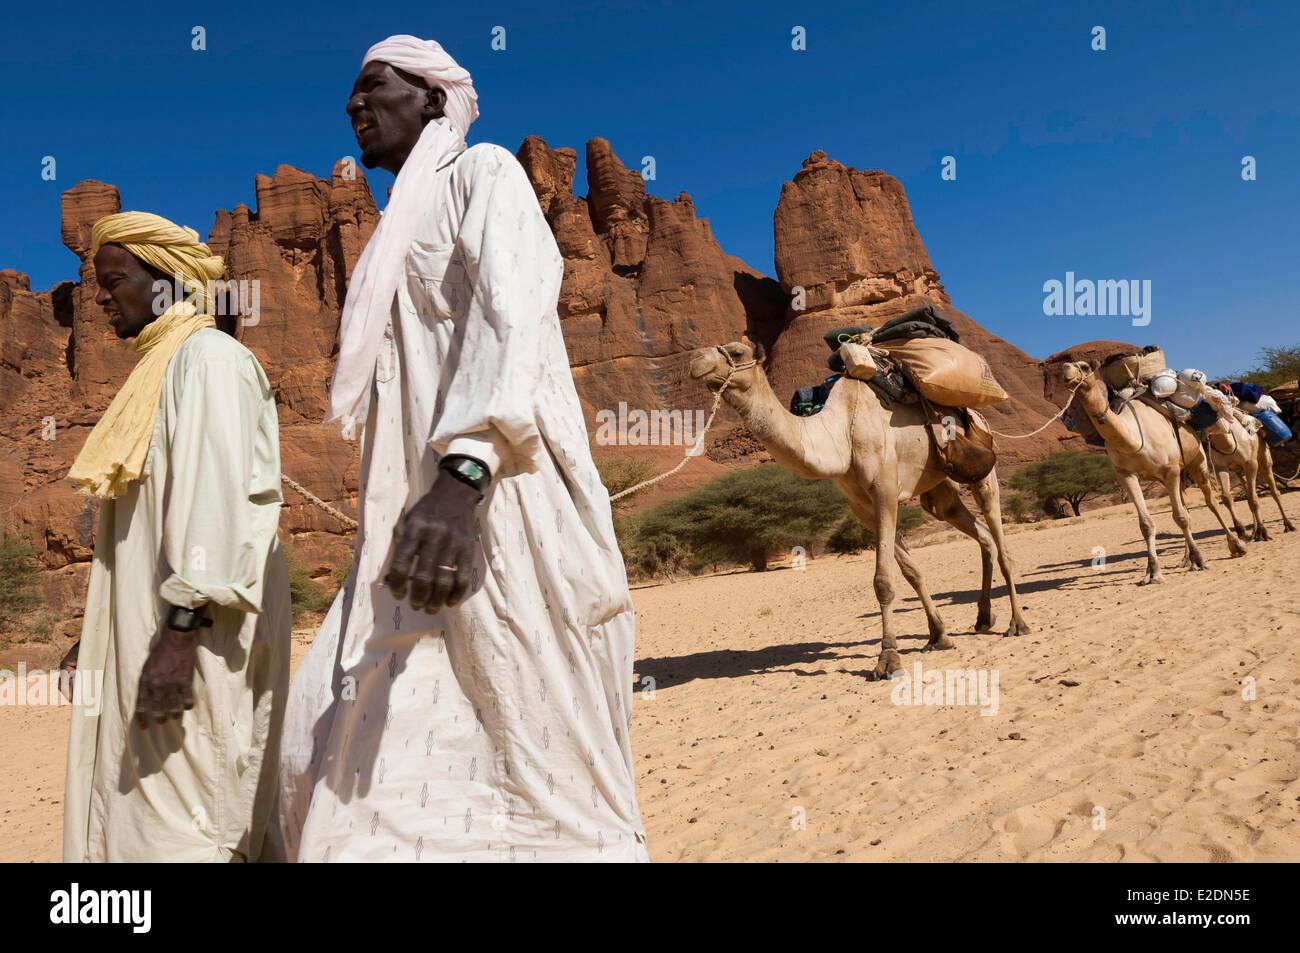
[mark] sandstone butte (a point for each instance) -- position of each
(645, 282)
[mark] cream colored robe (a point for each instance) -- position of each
(496, 730)
(199, 525)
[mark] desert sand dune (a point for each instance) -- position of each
(1121, 730)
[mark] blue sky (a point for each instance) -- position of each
(1117, 164)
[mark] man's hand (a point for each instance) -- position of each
(69, 665)
(167, 682)
(433, 546)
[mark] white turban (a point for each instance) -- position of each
(429, 61)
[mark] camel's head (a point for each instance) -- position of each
(1060, 378)
(744, 361)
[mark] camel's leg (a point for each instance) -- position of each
(1133, 487)
(885, 507)
(989, 496)
(1266, 468)
(1225, 497)
(945, 503)
(1200, 472)
(1192, 557)
(912, 573)
(1250, 477)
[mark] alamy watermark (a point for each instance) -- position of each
(1109, 297)
(82, 689)
(131, 908)
(240, 298)
(655, 428)
(942, 687)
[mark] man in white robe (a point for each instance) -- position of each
(188, 609)
(485, 718)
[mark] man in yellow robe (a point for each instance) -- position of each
(188, 611)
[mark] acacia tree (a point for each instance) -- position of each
(851, 536)
(1073, 477)
(1277, 366)
(18, 575)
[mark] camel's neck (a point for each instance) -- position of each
(816, 447)
(1119, 431)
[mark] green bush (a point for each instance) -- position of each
(618, 473)
(42, 627)
(1017, 507)
(660, 555)
(744, 517)
(18, 576)
(1073, 477)
(851, 536)
(305, 594)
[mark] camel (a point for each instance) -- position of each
(878, 458)
(1141, 443)
(1248, 455)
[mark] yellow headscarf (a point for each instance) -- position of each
(173, 249)
(114, 453)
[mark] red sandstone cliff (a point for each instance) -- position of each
(645, 283)
(846, 237)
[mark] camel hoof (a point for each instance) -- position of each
(890, 666)
(1018, 628)
(939, 644)
(1239, 550)
(1288, 528)
(1151, 580)
(986, 625)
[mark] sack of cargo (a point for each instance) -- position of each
(1247, 393)
(1275, 431)
(1128, 370)
(1203, 416)
(945, 372)
(1187, 394)
(963, 443)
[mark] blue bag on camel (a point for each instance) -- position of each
(1275, 431)
(1247, 393)
(1203, 415)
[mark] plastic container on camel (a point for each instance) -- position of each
(1164, 385)
(858, 362)
(945, 372)
(1275, 431)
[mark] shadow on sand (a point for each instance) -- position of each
(734, 663)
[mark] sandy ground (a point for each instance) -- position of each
(1121, 730)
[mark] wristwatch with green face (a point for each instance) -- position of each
(468, 470)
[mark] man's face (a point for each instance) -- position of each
(126, 291)
(389, 108)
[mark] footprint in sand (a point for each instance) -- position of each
(1025, 832)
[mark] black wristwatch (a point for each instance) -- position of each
(186, 620)
(468, 470)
